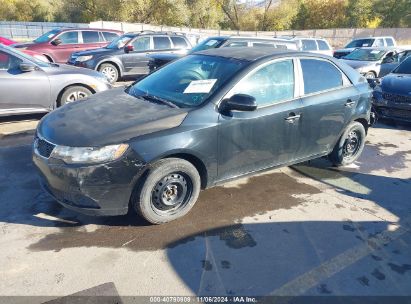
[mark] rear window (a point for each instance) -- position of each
(309, 45)
(322, 45)
(389, 41)
(179, 42)
(161, 43)
(320, 75)
(108, 36)
(90, 37)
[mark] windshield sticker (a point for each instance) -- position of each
(200, 86)
(375, 52)
(365, 44)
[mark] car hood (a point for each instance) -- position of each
(356, 64)
(346, 50)
(107, 118)
(397, 84)
(23, 45)
(98, 51)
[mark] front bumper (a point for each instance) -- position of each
(388, 109)
(98, 189)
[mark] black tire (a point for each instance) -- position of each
(73, 93)
(370, 75)
(169, 191)
(349, 146)
(110, 71)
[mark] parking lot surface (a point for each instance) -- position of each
(310, 229)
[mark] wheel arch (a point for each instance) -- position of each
(113, 62)
(364, 122)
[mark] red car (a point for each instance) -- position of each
(6, 41)
(58, 44)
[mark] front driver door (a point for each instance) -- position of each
(136, 62)
(389, 63)
(22, 91)
(268, 136)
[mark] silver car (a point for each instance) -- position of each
(375, 62)
(28, 85)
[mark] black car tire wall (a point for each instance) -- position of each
(70, 90)
(142, 199)
(337, 157)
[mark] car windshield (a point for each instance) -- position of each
(29, 58)
(46, 36)
(119, 42)
(188, 82)
(210, 43)
(366, 55)
(404, 67)
(360, 43)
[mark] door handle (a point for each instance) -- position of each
(292, 117)
(349, 103)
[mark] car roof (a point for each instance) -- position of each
(88, 29)
(381, 48)
(372, 37)
(254, 54)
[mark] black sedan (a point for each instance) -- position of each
(198, 122)
(392, 97)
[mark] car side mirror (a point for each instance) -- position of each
(239, 102)
(56, 42)
(27, 67)
(129, 48)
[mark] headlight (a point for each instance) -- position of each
(84, 58)
(73, 155)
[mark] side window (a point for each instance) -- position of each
(322, 45)
(379, 42)
(237, 44)
(179, 42)
(270, 84)
(69, 38)
(90, 37)
(262, 44)
(389, 41)
(309, 45)
(320, 75)
(141, 44)
(108, 36)
(161, 43)
(9, 62)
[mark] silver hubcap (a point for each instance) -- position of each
(76, 96)
(110, 73)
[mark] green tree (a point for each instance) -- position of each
(394, 13)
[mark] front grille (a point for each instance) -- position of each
(399, 113)
(397, 98)
(44, 148)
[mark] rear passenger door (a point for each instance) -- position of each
(91, 40)
(136, 61)
(329, 100)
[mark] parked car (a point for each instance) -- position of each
(158, 60)
(392, 97)
(41, 57)
(375, 62)
(375, 42)
(58, 44)
(128, 54)
(202, 120)
(314, 45)
(28, 85)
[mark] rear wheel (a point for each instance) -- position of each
(169, 191)
(110, 71)
(350, 145)
(73, 94)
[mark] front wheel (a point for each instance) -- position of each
(370, 75)
(169, 191)
(73, 94)
(349, 146)
(110, 71)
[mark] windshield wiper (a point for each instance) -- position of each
(159, 99)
